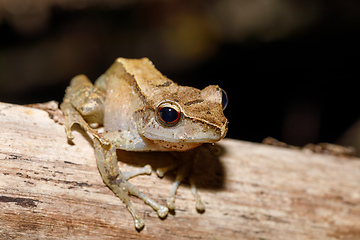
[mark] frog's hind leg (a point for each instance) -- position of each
(81, 101)
(108, 167)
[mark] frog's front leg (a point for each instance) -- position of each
(83, 105)
(107, 163)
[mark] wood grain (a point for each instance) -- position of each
(50, 189)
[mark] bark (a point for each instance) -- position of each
(52, 189)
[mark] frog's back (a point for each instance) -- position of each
(122, 98)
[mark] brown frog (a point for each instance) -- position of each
(142, 110)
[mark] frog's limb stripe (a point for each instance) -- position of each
(108, 167)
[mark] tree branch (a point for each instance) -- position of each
(52, 189)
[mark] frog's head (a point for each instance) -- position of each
(181, 118)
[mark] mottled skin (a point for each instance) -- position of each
(126, 102)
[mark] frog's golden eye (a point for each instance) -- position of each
(168, 114)
(224, 99)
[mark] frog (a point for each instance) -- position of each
(134, 107)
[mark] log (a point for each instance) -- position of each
(50, 188)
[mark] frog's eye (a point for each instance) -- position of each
(224, 99)
(168, 114)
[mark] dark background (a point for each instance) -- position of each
(290, 67)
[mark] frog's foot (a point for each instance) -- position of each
(123, 189)
(141, 171)
(107, 163)
(182, 173)
(200, 207)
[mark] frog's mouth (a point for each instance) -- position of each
(174, 146)
(184, 138)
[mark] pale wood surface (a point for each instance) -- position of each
(52, 189)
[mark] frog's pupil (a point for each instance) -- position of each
(168, 114)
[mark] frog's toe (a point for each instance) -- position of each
(69, 135)
(162, 211)
(200, 207)
(170, 203)
(161, 172)
(147, 169)
(144, 170)
(139, 224)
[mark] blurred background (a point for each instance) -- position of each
(290, 67)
